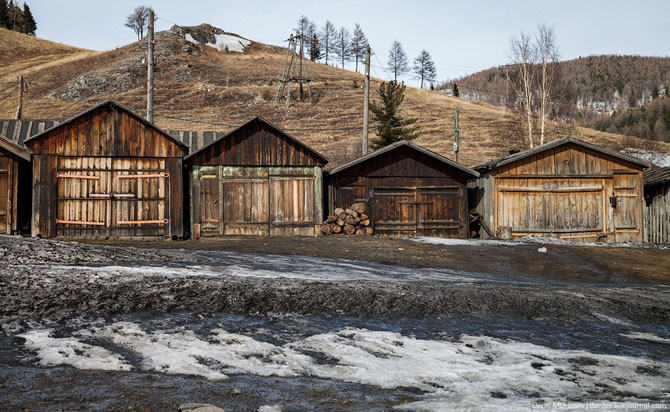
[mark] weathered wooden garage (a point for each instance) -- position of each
(409, 191)
(568, 189)
(256, 180)
(657, 202)
(107, 173)
(14, 174)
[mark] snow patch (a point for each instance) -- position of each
(460, 242)
(270, 408)
(458, 374)
(190, 38)
(229, 42)
(70, 351)
(647, 337)
(660, 159)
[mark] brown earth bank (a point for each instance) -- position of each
(561, 262)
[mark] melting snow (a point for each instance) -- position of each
(660, 159)
(461, 242)
(461, 374)
(70, 351)
(230, 42)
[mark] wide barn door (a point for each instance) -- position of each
(254, 201)
(108, 197)
(5, 195)
(567, 208)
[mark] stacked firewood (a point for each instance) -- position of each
(351, 221)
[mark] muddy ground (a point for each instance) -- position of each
(571, 297)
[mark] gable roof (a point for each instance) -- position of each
(113, 104)
(13, 148)
(407, 144)
(496, 163)
(272, 126)
(656, 176)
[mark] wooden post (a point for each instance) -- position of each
(19, 108)
(366, 116)
(456, 136)
(302, 93)
(150, 67)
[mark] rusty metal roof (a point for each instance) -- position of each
(656, 176)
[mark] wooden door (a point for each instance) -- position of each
(5, 195)
(139, 198)
(439, 211)
(292, 201)
(210, 201)
(84, 203)
(394, 211)
(245, 201)
(625, 201)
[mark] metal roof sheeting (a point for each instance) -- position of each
(656, 176)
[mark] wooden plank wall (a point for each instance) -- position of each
(657, 213)
(565, 192)
(106, 131)
(256, 144)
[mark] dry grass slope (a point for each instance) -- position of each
(230, 88)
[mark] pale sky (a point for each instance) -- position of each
(462, 36)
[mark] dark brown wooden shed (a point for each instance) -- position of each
(14, 174)
(107, 173)
(409, 190)
(567, 188)
(256, 180)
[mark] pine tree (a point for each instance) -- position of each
(454, 91)
(343, 45)
(4, 13)
(397, 60)
(391, 127)
(424, 67)
(14, 17)
(655, 92)
(29, 25)
(358, 44)
(315, 48)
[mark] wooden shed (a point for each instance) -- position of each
(409, 191)
(256, 180)
(568, 189)
(657, 202)
(107, 173)
(14, 186)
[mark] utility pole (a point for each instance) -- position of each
(456, 136)
(150, 67)
(302, 93)
(366, 116)
(19, 108)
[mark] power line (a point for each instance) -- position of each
(10, 93)
(9, 87)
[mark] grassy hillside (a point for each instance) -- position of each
(226, 88)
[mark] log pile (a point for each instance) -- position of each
(351, 221)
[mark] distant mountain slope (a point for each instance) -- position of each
(597, 83)
(201, 88)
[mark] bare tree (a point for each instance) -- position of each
(343, 45)
(302, 29)
(424, 67)
(548, 56)
(358, 44)
(397, 60)
(523, 55)
(137, 20)
(328, 34)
